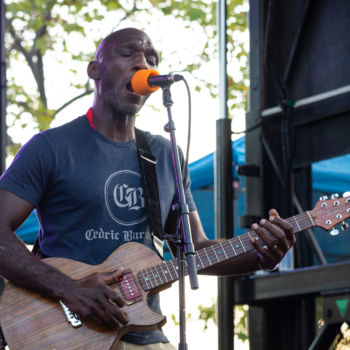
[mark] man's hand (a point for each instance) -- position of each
(284, 235)
(91, 298)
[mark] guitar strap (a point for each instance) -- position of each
(150, 186)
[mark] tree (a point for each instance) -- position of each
(35, 27)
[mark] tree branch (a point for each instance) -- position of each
(87, 92)
(17, 44)
(35, 67)
(128, 14)
(39, 34)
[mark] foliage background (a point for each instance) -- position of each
(39, 31)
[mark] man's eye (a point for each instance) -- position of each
(153, 63)
(125, 55)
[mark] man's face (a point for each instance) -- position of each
(121, 57)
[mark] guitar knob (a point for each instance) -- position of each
(344, 226)
(346, 194)
(334, 232)
(335, 196)
(323, 198)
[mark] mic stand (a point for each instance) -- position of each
(183, 241)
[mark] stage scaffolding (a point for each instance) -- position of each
(299, 82)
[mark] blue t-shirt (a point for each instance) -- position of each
(88, 195)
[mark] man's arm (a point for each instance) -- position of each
(245, 263)
(88, 297)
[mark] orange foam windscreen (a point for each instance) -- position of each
(139, 82)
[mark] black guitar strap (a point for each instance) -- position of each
(150, 186)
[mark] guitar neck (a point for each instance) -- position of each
(167, 271)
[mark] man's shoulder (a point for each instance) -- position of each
(64, 131)
(160, 145)
(156, 140)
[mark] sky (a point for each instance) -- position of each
(180, 46)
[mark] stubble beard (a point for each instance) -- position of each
(109, 96)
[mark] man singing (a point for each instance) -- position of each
(84, 181)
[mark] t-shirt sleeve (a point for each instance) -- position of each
(188, 193)
(29, 174)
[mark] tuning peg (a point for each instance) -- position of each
(323, 198)
(346, 194)
(334, 196)
(334, 232)
(344, 226)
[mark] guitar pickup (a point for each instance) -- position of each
(72, 318)
(128, 287)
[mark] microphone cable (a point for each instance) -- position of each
(188, 134)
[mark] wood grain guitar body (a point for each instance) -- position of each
(33, 322)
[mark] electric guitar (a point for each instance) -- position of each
(33, 322)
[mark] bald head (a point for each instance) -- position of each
(118, 36)
(119, 56)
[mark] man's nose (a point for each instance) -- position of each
(140, 63)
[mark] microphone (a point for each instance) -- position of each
(147, 81)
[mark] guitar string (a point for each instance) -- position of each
(303, 222)
(211, 256)
(244, 239)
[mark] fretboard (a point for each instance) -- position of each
(167, 271)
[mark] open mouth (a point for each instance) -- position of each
(130, 89)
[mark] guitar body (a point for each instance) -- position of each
(30, 321)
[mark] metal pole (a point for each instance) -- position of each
(3, 102)
(223, 188)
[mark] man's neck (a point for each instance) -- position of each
(119, 128)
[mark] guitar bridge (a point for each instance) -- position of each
(72, 318)
(128, 287)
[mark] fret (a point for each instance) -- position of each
(153, 276)
(148, 278)
(232, 247)
(168, 270)
(144, 279)
(207, 256)
(200, 259)
(223, 249)
(242, 244)
(313, 224)
(297, 223)
(160, 265)
(212, 247)
(158, 274)
(174, 268)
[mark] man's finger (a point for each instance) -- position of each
(284, 225)
(103, 316)
(273, 212)
(110, 276)
(262, 251)
(116, 313)
(264, 237)
(113, 295)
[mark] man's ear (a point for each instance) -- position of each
(93, 70)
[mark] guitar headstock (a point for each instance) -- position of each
(331, 212)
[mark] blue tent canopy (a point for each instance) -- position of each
(329, 176)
